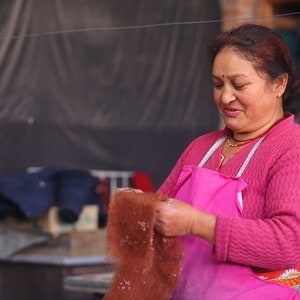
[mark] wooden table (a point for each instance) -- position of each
(97, 284)
(38, 272)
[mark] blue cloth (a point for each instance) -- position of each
(75, 189)
(28, 195)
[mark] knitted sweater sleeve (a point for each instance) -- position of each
(272, 240)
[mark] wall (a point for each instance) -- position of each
(249, 10)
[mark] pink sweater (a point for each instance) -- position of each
(269, 234)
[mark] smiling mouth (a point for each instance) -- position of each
(231, 112)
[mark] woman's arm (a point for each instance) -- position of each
(268, 236)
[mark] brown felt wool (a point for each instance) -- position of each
(147, 263)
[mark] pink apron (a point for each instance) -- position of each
(202, 277)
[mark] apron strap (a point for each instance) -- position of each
(213, 148)
(251, 153)
(219, 142)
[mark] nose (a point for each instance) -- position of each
(227, 95)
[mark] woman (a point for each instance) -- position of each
(234, 193)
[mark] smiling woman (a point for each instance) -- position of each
(245, 98)
(234, 193)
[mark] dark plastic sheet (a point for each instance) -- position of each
(75, 96)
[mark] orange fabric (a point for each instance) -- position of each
(147, 263)
(289, 277)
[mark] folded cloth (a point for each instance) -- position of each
(29, 194)
(75, 188)
(289, 277)
(147, 263)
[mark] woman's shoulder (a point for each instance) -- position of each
(282, 143)
(204, 142)
(286, 133)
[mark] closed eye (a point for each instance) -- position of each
(218, 86)
(239, 87)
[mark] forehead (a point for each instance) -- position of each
(229, 60)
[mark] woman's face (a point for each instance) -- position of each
(247, 100)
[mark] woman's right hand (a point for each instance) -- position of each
(176, 218)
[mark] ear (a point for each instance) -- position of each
(279, 84)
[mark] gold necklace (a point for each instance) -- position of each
(245, 142)
(238, 145)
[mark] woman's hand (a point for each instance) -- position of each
(175, 218)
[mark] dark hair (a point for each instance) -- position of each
(266, 49)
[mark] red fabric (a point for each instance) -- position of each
(143, 182)
(103, 190)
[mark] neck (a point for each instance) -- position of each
(244, 137)
(242, 142)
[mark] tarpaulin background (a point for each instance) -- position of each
(77, 91)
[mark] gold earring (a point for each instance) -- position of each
(278, 95)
